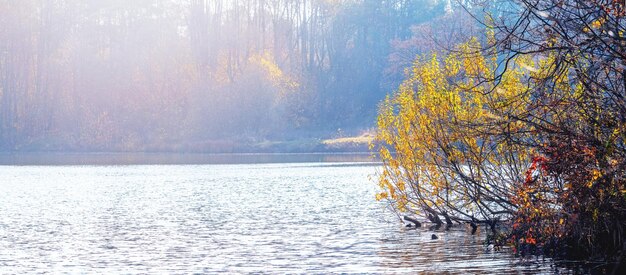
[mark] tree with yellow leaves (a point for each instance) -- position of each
(530, 129)
(445, 138)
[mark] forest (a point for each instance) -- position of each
(206, 75)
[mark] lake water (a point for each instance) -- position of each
(297, 217)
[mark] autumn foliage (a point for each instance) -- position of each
(524, 130)
(441, 156)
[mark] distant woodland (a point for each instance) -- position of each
(202, 75)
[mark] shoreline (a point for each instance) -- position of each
(174, 158)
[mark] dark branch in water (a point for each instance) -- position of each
(416, 222)
(433, 217)
(474, 227)
(492, 224)
(447, 217)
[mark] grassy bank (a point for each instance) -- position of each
(333, 144)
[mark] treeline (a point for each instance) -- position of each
(522, 130)
(197, 74)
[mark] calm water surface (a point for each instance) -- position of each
(274, 217)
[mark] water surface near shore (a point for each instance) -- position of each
(312, 217)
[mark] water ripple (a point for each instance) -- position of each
(274, 218)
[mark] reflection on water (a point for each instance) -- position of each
(298, 217)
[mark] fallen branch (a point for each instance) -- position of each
(416, 222)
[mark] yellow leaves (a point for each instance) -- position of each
(385, 154)
(401, 205)
(595, 25)
(274, 73)
(598, 23)
(452, 65)
(529, 67)
(439, 201)
(439, 117)
(595, 175)
(474, 64)
(401, 185)
(380, 196)
(266, 62)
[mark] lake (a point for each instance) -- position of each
(306, 214)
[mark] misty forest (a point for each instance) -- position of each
(205, 75)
